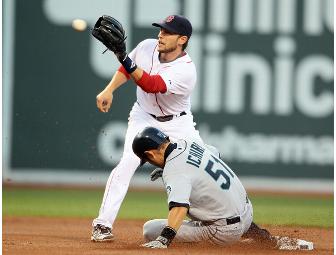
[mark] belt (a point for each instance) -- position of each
(167, 117)
(229, 221)
(232, 220)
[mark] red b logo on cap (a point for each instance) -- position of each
(170, 18)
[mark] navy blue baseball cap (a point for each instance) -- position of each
(176, 24)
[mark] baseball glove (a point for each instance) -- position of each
(110, 32)
(156, 174)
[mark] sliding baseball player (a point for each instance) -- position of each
(201, 186)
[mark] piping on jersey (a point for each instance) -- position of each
(180, 152)
(152, 60)
(149, 74)
(159, 105)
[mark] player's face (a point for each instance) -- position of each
(168, 42)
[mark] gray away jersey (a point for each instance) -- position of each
(196, 176)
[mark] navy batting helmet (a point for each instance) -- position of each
(148, 139)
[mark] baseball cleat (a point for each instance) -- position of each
(101, 233)
(287, 243)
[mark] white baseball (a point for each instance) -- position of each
(79, 24)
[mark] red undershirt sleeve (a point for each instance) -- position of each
(152, 83)
(123, 70)
(148, 83)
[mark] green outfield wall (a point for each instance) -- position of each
(264, 94)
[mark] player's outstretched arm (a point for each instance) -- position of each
(104, 98)
(110, 32)
(176, 216)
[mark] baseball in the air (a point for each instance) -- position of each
(79, 25)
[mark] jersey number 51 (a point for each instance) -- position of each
(216, 174)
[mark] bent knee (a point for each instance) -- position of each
(152, 229)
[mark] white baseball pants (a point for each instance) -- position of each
(195, 231)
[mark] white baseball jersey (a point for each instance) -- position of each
(195, 176)
(178, 75)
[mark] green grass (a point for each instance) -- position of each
(273, 210)
(291, 210)
(78, 203)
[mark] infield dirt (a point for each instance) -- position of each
(33, 235)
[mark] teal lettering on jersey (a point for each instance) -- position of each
(195, 155)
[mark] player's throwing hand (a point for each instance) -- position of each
(104, 100)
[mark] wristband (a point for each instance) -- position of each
(128, 64)
(167, 235)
